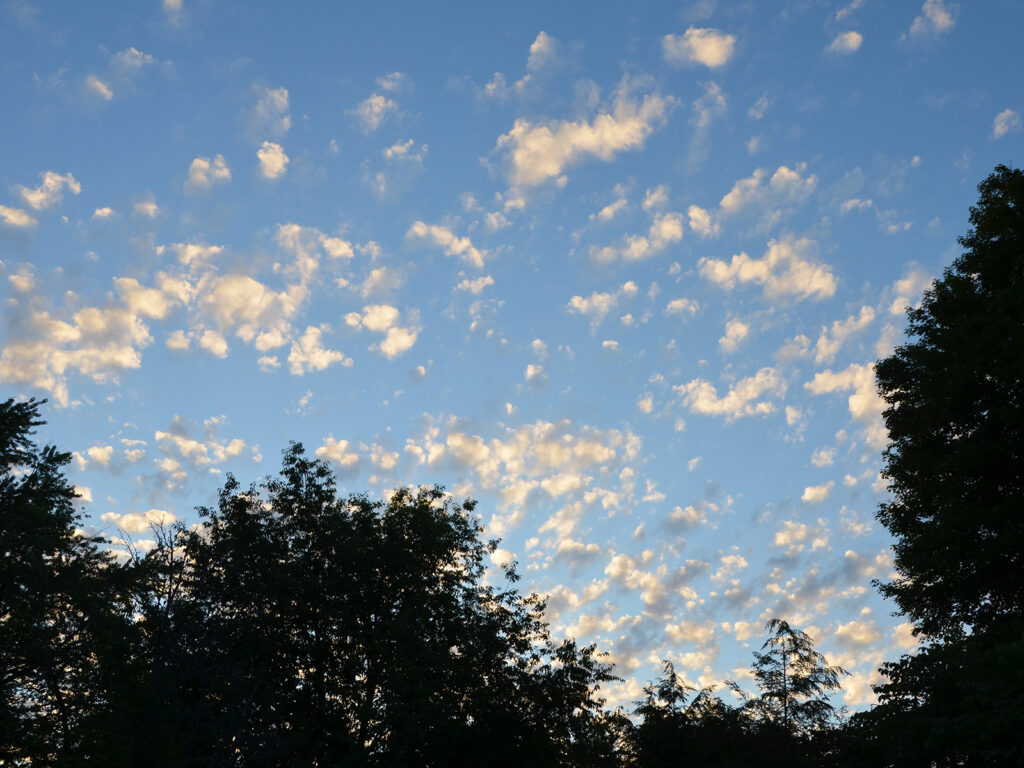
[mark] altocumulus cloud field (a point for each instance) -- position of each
(620, 274)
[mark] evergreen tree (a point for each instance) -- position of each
(795, 681)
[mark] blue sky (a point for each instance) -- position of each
(620, 272)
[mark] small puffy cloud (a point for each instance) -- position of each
(147, 208)
(857, 635)
(936, 19)
(706, 46)
(476, 285)
(609, 211)
(683, 307)
(823, 457)
(864, 403)
(656, 197)
(750, 396)
(735, 332)
(271, 116)
(273, 160)
(785, 186)
(701, 221)
(540, 152)
(794, 537)
(338, 451)
(103, 213)
(178, 341)
(845, 43)
(453, 245)
(394, 81)
(598, 304)
(309, 354)
(50, 190)
(384, 318)
(16, 218)
(372, 111)
(666, 229)
(535, 372)
(832, 339)
(856, 204)
(204, 173)
(784, 271)
(1006, 122)
(96, 87)
(214, 343)
(815, 494)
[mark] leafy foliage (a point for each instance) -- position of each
(955, 397)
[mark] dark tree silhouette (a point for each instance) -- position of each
(308, 628)
(955, 466)
(62, 634)
(795, 682)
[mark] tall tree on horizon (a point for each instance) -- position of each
(954, 397)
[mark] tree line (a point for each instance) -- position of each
(296, 626)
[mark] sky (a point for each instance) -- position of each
(619, 271)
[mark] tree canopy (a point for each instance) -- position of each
(955, 414)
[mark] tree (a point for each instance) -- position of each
(62, 624)
(794, 680)
(309, 628)
(955, 414)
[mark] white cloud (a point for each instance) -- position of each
(936, 19)
(308, 353)
(103, 213)
(139, 522)
(701, 221)
(476, 285)
(865, 404)
(383, 318)
(598, 305)
(147, 208)
(682, 306)
(735, 332)
(1005, 122)
(16, 218)
(784, 271)
(97, 87)
(273, 160)
(50, 190)
(750, 396)
(656, 197)
(832, 339)
(538, 152)
(174, 10)
(665, 229)
(706, 46)
(271, 116)
(535, 372)
(846, 43)
(453, 245)
(785, 186)
(372, 111)
(609, 211)
(204, 173)
(214, 343)
(794, 537)
(823, 457)
(339, 452)
(815, 494)
(394, 81)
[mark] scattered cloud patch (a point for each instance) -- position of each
(708, 47)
